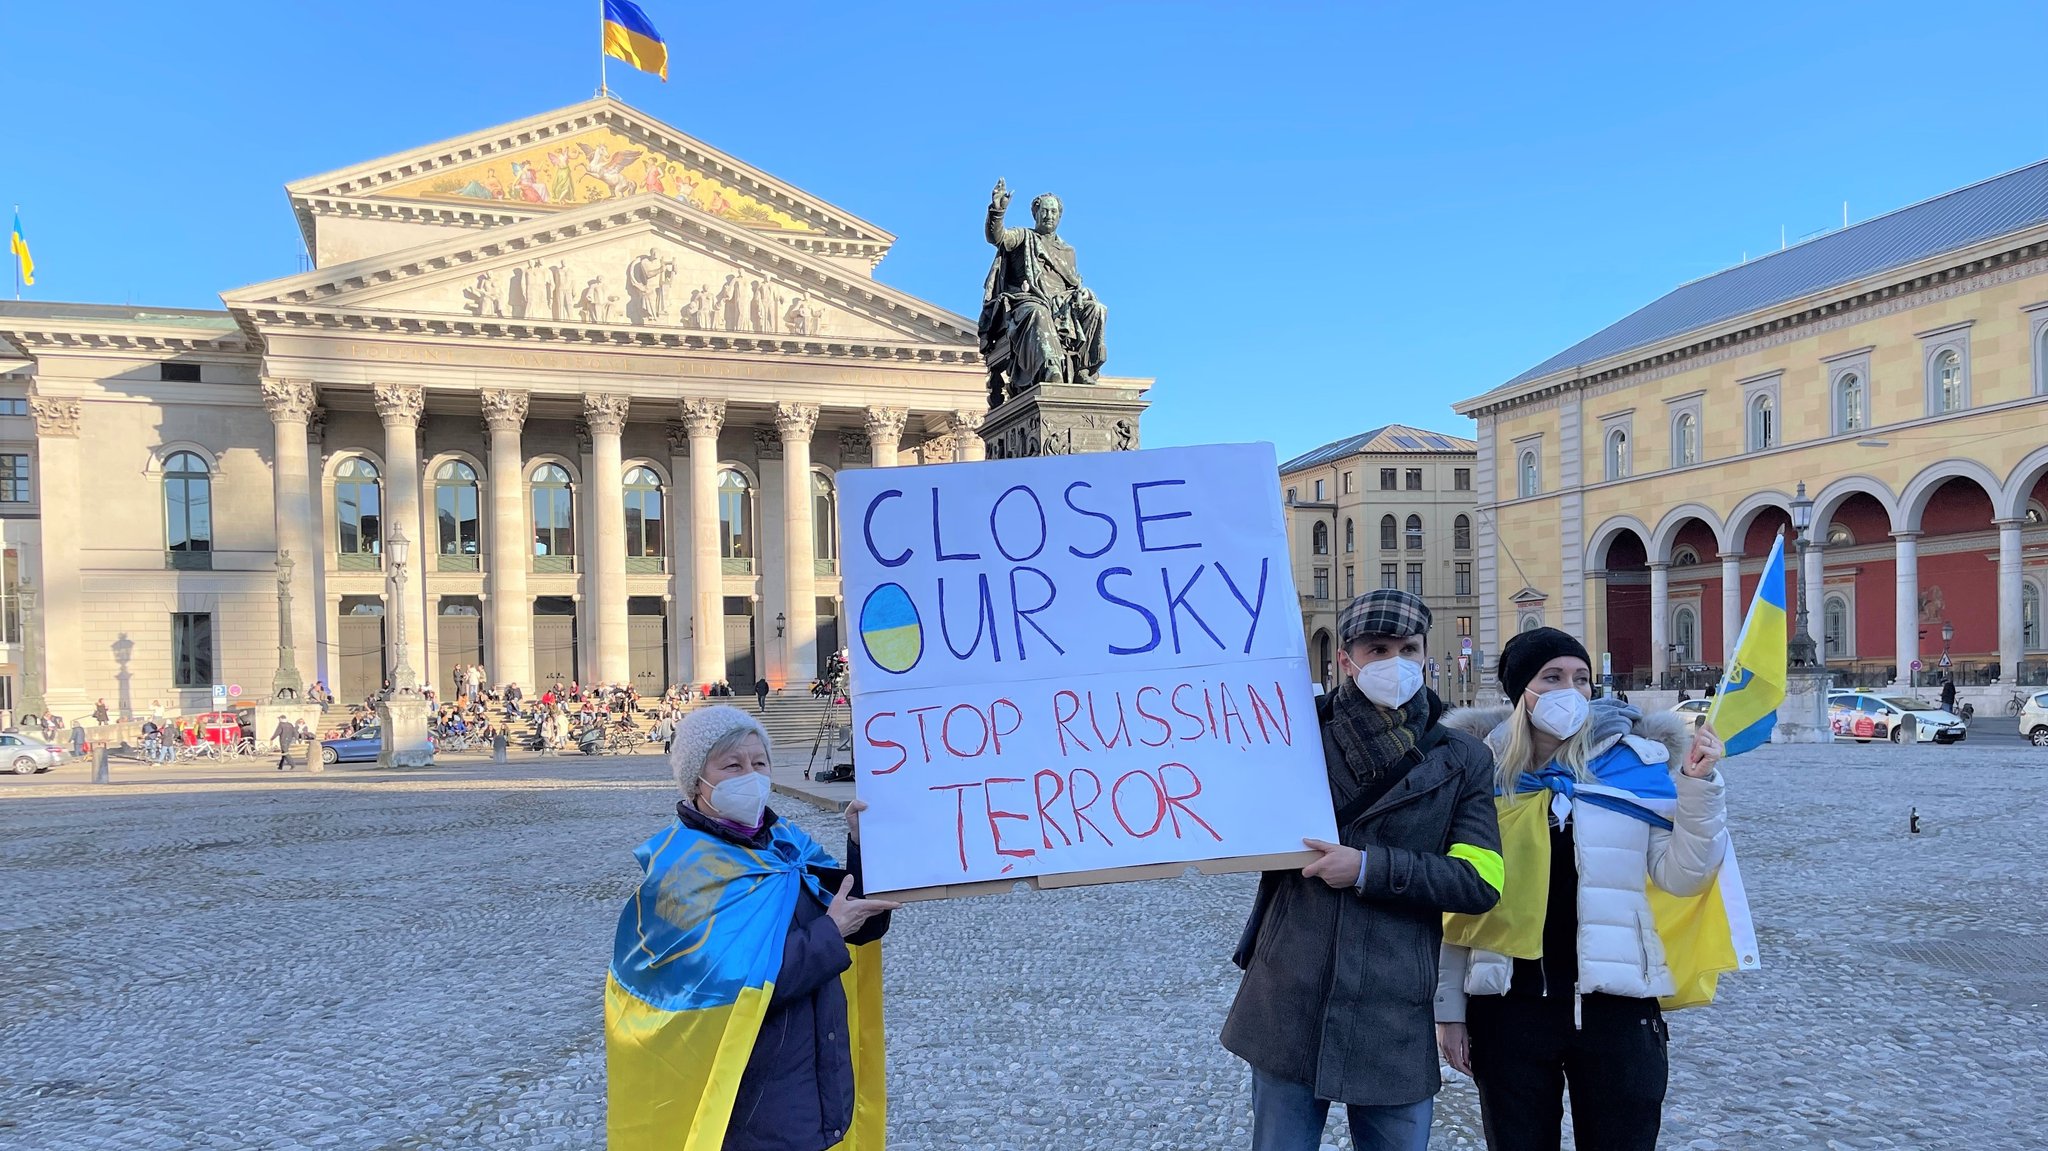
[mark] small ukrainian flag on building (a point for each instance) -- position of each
(629, 36)
(25, 264)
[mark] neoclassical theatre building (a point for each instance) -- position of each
(1630, 486)
(600, 375)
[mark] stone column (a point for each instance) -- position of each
(400, 407)
(606, 415)
(964, 427)
(510, 659)
(321, 637)
(1731, 604)
(1907, 604)
(291, 405)
(702, 418)
(1811, 594)
(60, 457)
(2011, 633)
(1596, 624)
(795, 423)
(885, 433)
(1660, 624)
(680, 569)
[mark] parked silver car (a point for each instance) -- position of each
(26, 754)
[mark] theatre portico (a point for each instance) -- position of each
(603, 374)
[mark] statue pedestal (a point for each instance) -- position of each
(1065, 419)
(1803, 717)
(402, 722)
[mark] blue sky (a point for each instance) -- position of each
(1306, 220)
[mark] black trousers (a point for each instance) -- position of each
(1526, 1050)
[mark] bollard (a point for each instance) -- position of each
(498, 747)
(1909, 733)
(99, 763)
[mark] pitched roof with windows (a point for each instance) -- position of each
(1999, 206)
(1397, 439)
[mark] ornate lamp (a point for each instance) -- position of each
(1799, 650)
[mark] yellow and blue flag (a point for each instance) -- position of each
(1746, 708)
(630, 36)
(18, 244)
(693, 968)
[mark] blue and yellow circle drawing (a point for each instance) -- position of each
(890, 629)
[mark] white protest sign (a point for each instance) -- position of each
(1078, 663)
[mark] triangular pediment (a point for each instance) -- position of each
(1528, 595)
(643, 262)
(597, 151)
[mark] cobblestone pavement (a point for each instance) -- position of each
(357, 960)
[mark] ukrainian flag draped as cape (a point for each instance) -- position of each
(693, 965)
(1704, 935)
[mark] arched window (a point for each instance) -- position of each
(1389, 533)
(1617, 454)
(1849, 402)
(1684, 557)
(359, 507)
(1319, 538)
(1839, 536)
(644, 538)
(554, 515)
(1685, 440)
(456, 503)
(1834, 628)
(1685, 633)
(735, 516)
(188, 511)
(1531, 622)
(2041, 361)
(2030, 616)
(824, 520)
(1528, 480)
(1350, 537)
(1414, 533)
(1763, 424)
(1948, 381)
(1461, 534)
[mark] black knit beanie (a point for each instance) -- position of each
(1524, 655)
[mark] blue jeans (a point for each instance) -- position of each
(1287, 1116)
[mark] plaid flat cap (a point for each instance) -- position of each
(1383, 611)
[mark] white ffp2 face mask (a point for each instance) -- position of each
(1390, 682)
(742, 798)
(1561, 712)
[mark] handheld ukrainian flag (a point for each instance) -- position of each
(693, 969)
(631, 37)
(25, 264)
(1746, 707)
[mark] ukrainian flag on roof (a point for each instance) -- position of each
(630, 36)
(1746, 708)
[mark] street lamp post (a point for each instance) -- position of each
(1804, 716)
(402, 713)
(285, 683)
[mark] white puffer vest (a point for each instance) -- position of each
(1616, 855)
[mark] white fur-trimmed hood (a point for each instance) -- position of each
(1658, 736)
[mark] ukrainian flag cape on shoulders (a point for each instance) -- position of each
(693, 965)
(1704, 935)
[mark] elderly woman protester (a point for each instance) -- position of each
(743, 997)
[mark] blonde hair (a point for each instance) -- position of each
(1517, 754)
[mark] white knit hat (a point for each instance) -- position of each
(700, 731)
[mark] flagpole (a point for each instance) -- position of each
(17, 255)
(602, 90)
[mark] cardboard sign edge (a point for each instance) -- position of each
(1133, 873)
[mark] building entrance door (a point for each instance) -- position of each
(647, 644)
(462, 638)
(739, 644)
(554, 642)
(361, 648)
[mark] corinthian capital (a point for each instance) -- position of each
(703, 416)
(504, 409)
(965, 422)
(605, 412)
(886, 423)
(400, 403)
(55, 415)
(288, 400)
(796, 421)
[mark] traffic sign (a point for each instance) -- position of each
(235, 690)
(1916, 665)
(1465, 645)
(220, 696)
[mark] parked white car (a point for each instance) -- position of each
(26, 754)
(1693, 707)
(1867, 715)
(2034, 718)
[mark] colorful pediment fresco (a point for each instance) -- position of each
(586, 168)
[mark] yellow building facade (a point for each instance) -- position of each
(1631, 486)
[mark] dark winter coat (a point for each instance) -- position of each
(797, 1091)
(1339, 984)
